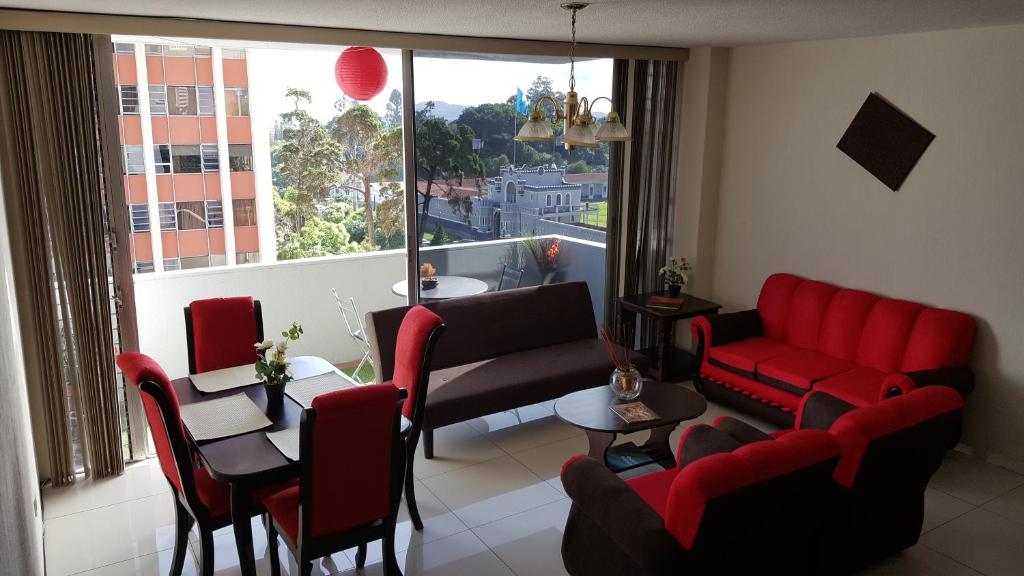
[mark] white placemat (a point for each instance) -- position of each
(224, 379)
(223, 417)
(303, 391)
(287, 442)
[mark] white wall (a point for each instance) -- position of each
(287, 291)
(951, 237)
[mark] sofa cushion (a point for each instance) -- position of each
(773, 303)
(462, 392)
(653, 488)
(743, 357)
(843, 323)
(805, 312)
(885, 334)
(753, 389)
(860, 386)
(939, 339)
(797, 371)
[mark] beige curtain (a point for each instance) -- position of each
(53, 191)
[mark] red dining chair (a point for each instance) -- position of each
(352, 454)
(414, 348)
(198, 498)
(221, 332)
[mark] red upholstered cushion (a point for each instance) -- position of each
(885, 335)
(224, 332)
(284, 507)
(653, 488)
(745, 355)
(940, 339)
(773, 303)
(720, 474)
(857, 429)
(410, 347)
(806, 309)
(138, 368)
(801, 368)
(843, 323)
(859, 386)
(214, 494)
(757, 390)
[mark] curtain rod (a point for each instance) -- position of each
(79, 22)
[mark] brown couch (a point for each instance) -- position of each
(501, 350)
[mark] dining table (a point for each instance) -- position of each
(247, 462)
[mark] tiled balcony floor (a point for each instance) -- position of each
(492, 504)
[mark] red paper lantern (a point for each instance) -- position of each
(361, 72)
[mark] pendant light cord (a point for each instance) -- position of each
(572, 55)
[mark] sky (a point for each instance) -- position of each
(456, 81)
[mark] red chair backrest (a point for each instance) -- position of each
(347, 448)
(701, 482)
(139, 368)
(410, 350)
(224, 333)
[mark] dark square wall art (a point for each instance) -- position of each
(885, 141)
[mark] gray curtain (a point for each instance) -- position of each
(53, 193)
(651, 183)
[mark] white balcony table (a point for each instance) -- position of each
(447, 287)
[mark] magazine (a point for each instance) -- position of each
(665, 302)
(634, 412)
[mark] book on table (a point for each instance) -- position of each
(634, 412)
(667, 302)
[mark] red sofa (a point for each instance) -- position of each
(809, 335)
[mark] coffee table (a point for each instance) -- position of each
(591, 410)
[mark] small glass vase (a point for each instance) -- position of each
(626, 384)
(275, 392)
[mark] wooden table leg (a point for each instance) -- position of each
(599, 443)
(657, 446)
(241, 518)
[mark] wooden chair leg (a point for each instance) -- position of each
(275, 561)
(410, 493)
(361, 555)
(205, 552)
(428, 443)
(183, 523)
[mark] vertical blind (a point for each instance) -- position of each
(53, 191)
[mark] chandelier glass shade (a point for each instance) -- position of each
(579, 128)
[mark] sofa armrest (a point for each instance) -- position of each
(740, 431)
(622, 517)
(959, 378)
(719, 329)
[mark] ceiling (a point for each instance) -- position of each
(680, 23)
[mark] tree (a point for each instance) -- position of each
(370, 154)
(494, 125)
(309, 160)
(542, 86)
(443, 155)
(577, 167)
(393, 111)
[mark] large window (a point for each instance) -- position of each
(244, 212)
(191, 215)
(181, 100)
(236, 101)
(240, 157)
(186, 159)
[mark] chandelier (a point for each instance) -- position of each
(580, 129)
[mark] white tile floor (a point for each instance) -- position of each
(492, 504)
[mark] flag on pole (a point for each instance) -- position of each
(520, 103)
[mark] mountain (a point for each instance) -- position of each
(449, 112)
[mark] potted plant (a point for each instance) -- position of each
(272, 365)
(675, 275)
(546, 254)
(428, 276)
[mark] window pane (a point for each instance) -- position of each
(129, 98)
(186, 159)
(214, 214)
(202, 51)
(167, 219)
(191, 262)
(134, 162)
(181, 100)
(211, 157)
(143, 266)
(236, 101)
(162, 158)
(240, 157)
(154, 50)
(245, 212)
(191, 215)
(140, 217)
(234, 53)
(247, 257)
(124, 48)
(178, 50)
(171, 264)
(157, 99)
(206, 107)
(218, 260)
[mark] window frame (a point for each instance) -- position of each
(192, 106)
(137, 214)
(210, 162)
(247, 166)
(168, 214)
(126, 164)
(160, 164)
(158, 99)
(121, 99)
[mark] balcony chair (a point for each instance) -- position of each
(510, 278)
(336, 506)
(222, 333)
(356, 330)
(198, 498)
(414, 350)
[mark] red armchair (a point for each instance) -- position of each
(808, 335)
(337, 505)
(221, 333)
